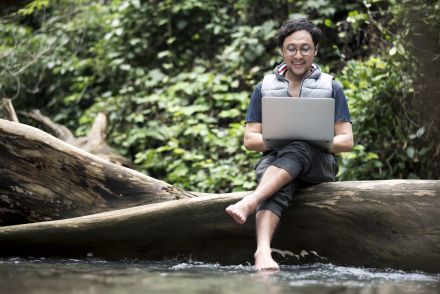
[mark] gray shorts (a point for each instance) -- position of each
(306, 163)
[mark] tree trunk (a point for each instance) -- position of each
(43, 178)
(382, 224)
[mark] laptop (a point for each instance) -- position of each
(307, 119)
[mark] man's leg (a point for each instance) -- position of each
(274, 178)
(268, 215)
(295, 159)
(284, 165)
(267, 222)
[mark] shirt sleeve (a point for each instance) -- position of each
(341, 107)
(254, 109)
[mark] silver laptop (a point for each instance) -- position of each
(307, 119)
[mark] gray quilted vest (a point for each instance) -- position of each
(317, 85)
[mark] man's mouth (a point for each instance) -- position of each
(296, 64)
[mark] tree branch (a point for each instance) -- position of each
(9, 110)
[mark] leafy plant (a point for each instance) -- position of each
(175, 77)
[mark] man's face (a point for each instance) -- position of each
(298, 53)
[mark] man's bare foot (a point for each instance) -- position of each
(264, 261)
(240, 210)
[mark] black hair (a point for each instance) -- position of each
(294, 25)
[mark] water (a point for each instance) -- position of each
(99, 276)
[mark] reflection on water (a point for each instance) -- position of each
(98, 276)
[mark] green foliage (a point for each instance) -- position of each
(384, 148)
(393, 100)
(34, 5)
(175, 79)
(417, 48)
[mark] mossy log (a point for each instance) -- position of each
(381, 224)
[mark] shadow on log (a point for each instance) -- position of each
(382, 224)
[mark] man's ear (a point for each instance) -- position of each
(316, 50)
(281, 51)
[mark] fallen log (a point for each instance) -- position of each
(44, 178)
(381, 224)
(94, 142)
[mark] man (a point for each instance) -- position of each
(280, 170)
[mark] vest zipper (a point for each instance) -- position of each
(301, 85)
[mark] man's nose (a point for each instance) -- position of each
(298, 54)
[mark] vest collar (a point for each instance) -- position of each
(281, 69)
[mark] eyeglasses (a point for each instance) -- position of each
(291, 51)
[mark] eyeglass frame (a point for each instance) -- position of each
(295, 50)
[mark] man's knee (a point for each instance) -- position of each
(261, 166)
(272, 208)
(278, 202)
(297, 146)
(298, 153)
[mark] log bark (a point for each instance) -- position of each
(381, 224)
(44, 178)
